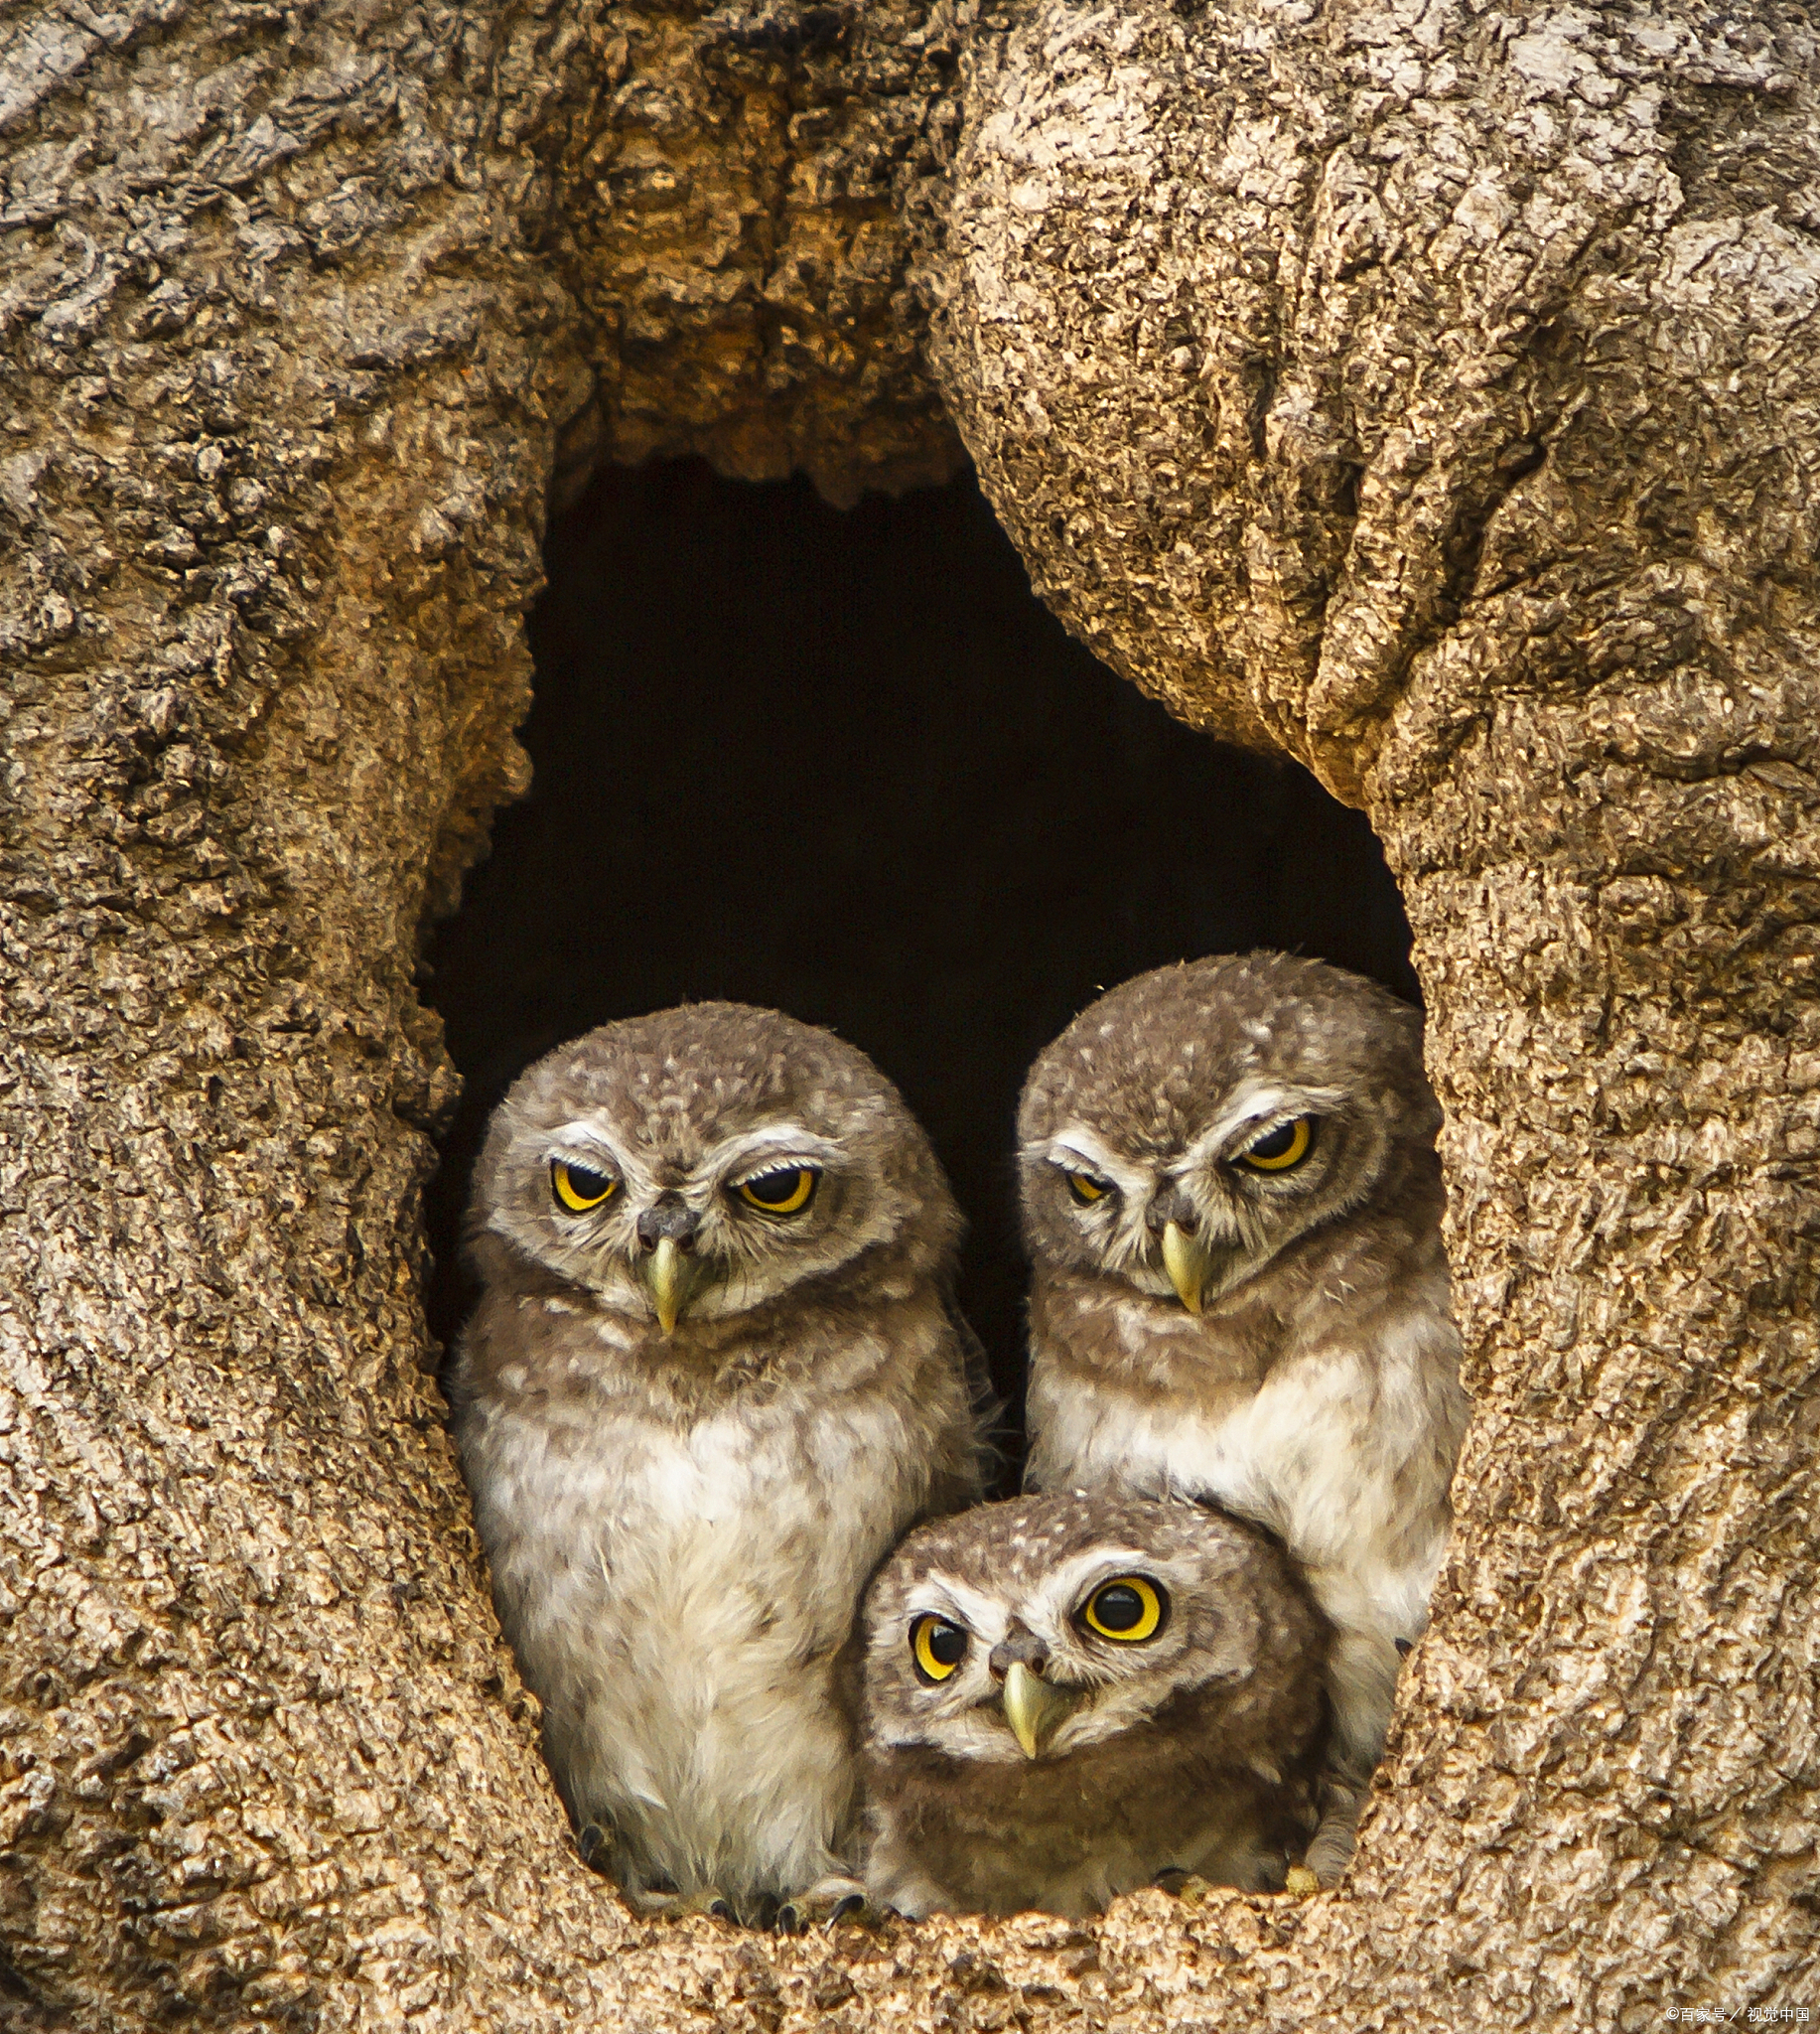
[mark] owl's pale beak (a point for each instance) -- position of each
(666, 1273)
(1036, 1708)
(1187, 1266)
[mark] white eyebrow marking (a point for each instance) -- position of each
(795, 1138)
(771, 1133)
(1062, 1592)
(585, 1142)
(960, 1603)
(1256, 1102)
(1078, 1143)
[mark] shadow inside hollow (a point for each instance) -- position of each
(846, 765)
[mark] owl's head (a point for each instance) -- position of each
(1043, 1625)
(1195, 1122)
(695, 1164)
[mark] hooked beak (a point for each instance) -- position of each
(1187, 1263)
(1035, 1708)
(667, 1274)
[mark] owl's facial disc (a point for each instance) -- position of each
(1047, 1653)
(1120, 1611)
(1209, 1220)
(682, 1231)
(1192, 1222)
(686, 1251)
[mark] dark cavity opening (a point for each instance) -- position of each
(846, 763)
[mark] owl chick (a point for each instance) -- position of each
(1067, 1696)
(1232, 1204)
(715, 1375)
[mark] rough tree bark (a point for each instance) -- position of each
(1427, 393)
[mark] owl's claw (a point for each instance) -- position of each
(833, 1898)
(678, 1906)
(592, 1842)
(1331, 1849)
(1187, 1886)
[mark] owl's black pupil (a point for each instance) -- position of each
(1276, 1143)
(946, 1642)
(586, 1185)
(1118, 1608)
(772, 1189)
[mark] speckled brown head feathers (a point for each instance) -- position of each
(1066, 1695)
(674, 1111)
(1161, 1085)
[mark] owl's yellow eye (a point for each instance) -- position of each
(1277, 1150)
(937, 1647)
(1130, 1609)
(1087, 1189)
(580, 1187)
(784, 1191)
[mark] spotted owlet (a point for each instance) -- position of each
(1232, 1202)
(715, 1375)
(1065, 1697)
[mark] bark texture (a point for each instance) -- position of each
(1428, 392)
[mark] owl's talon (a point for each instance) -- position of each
(675, 1906)
(592, 1841)
(1330, 1850)
(1187, 1887)
(830, 1899)
(650, 1906)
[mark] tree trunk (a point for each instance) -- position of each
(1430, 395)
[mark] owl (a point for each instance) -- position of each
(715, 1375)
(1067, 1696)
(1232, 1204)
